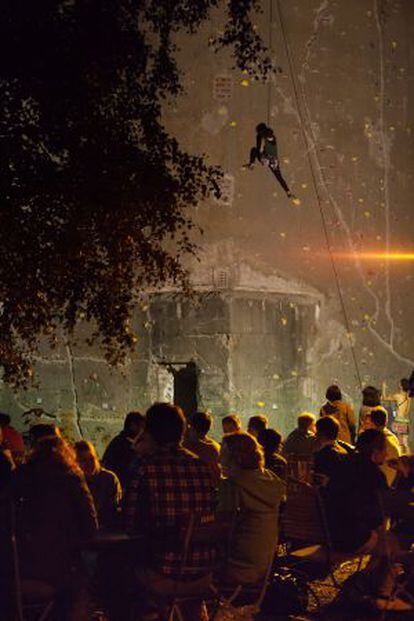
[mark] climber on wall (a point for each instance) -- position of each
(266, 153)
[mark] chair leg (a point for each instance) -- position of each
(46, 612)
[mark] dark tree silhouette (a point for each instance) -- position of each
(92, 185)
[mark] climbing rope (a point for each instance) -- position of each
(314, 180)
(269, 79)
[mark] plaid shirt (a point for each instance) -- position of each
(166, 488)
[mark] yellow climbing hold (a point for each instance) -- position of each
(260, 404)
(245, 82)
(284, 321)
(296, 201)
(232, 123)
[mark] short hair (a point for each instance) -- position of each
(371, 440)
(133, 418)
(333, 393)
(379, 417)
(245, 451)
(232, 419)
(271, 440)
(165, 423)
(327, 427)
(405, 384)
(84, 446)
(305, 420)
(201, 422)
(4, 419)
(258, 423)
(371, 396)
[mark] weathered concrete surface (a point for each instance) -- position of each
(352, 69)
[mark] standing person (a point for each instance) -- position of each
(253, 495)
(301, 441)
(104, 485)
(342, 412)
(198, 442)
(266, 152)
(54, 512)
(121, 451)
(271, 442)
(256, 425)
(12, 439)
(167, 488)
(402, 402)
(231, 423)
(377, 419)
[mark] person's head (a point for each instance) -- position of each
(87, 458)
(376, 419)
(52, 453)
(231, 423)
(306, 422)
(165, 424)
(404, 385)
(134, 424)
(371, 396)
(241, 451)
(257, 424)
(42, 431)
(327, 429)
(4, 419)
(372, 444)
(270, 440)
(333, 393)
(261, 128)
(201, 423)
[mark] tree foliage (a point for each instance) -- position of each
(96, 195)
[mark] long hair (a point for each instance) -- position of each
(245, 451)
(55, 455)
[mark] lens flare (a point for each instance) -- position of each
(375, 256)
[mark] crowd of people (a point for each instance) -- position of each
(164, 467)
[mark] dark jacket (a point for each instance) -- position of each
(353, 501)
(54, 512)
(119, 456)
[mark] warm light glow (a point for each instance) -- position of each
(375, 256)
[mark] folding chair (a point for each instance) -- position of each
(174, 594)
(30, 597)
(304, 526)
(300, 467)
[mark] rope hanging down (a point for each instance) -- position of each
(314, 180)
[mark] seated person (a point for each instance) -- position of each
(6, 464)
(257, 424)
(54, 512)
(301, 441)
(121, 452)
(271, 442)
(168, 486)
(12, 439)
(252, 495)
(198, 442)
(104, 485)
(353, 494)
(231, 423)
(377, 419)
(330, 453)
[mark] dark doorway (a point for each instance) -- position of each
(186, 387)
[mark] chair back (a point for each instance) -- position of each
(300, 467)
(303, 518)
